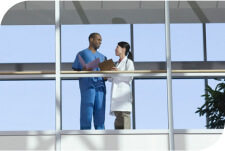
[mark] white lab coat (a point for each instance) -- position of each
(121, 93)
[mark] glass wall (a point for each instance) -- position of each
(196, 43)
(27, 44)
(186, 99)
(70, 105)
(27, 105)
(35, 44)
(149, 42)
(151, 104)
(186, 40)
(215, 33)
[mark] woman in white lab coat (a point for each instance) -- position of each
(121, 93)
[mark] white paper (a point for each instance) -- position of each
(82, 61)
(93, 64)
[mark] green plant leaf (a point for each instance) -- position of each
(214, 105)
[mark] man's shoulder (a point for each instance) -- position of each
(83, 51)
(100, 54)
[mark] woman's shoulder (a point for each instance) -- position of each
(130, 64)
(129, 60)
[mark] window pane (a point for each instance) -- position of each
(149, 42)
(215, 34)
(186, 42)
(151, 104)
(71, 106)
(27, 44)
(27, 105)
(75, 39)
(186, 99)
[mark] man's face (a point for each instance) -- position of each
(96, 41)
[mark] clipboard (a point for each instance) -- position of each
(106, 65)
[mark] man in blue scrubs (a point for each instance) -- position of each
(93, 90)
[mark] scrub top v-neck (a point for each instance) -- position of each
(89, 56)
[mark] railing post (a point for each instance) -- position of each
(133, 81)
(169, 76)
(58, 109)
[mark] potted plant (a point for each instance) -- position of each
(214, 106)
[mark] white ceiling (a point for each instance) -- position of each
(109, 12)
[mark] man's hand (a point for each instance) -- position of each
(105, 78)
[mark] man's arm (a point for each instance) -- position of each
(84, 69)
(75, 69)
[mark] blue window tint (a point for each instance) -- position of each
(70, 105)
(186, 99)
(215, 35)
(149, 42)
(27, 105)
(186, 42)
(27, 44)
(151, 104)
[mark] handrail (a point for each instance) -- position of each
(108, 72)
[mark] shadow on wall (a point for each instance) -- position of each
(118, 20)
(29, 142)
(86, 141)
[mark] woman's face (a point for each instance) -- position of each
(119, 50)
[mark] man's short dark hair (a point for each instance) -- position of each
(92, 35)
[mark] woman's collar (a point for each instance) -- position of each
(124, 59)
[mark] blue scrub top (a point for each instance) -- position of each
(89, 56)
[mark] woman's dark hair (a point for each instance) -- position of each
(124, 44)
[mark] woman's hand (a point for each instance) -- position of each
(114, 69)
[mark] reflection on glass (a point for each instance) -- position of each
(186, 99)
(149, 42)
(27, 105)
(215, 34)
(151, 104)
(75, 39)
(27, 44)
(186, 40)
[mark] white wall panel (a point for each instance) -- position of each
(27, 142)
(194, 141)
(114, 142)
